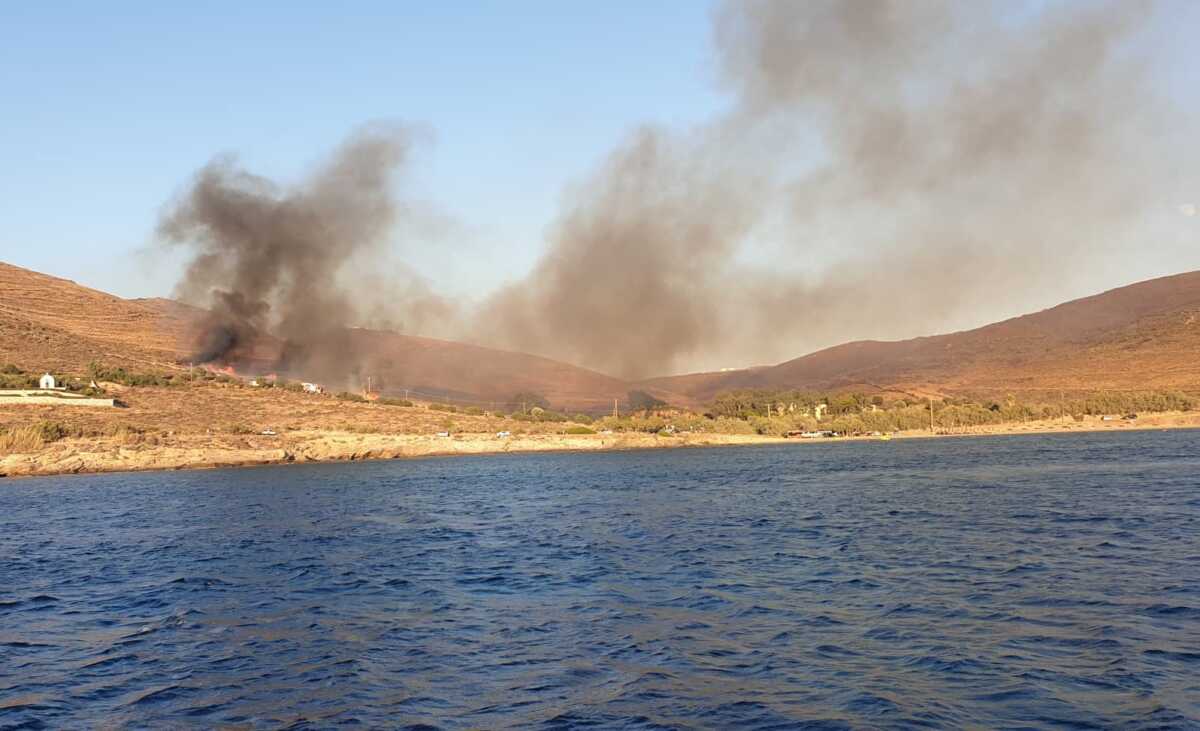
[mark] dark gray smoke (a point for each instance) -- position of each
(614, 292)
(902, 167)
(887, 168)
(267, 259)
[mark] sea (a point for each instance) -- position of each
(1041, 581)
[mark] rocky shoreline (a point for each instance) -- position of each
(200, 451)
(73, 456)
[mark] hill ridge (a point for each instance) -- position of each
(985, 358)
(1142, 335)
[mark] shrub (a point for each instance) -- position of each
(727, 425)
(394, 402)
(124, 434)
(32, 437)
(51, 431)
(84, 389)
(100, 372)
(13, 377)
(649, 425)
(642, 401)
(579, 430)
(770, 426)
(352, 397)
(21, 439)
(539, 414)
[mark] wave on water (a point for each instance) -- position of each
(926, 584)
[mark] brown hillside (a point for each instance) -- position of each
(469, 373)
(1142, 336)
(47, 323)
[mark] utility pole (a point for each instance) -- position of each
(615, 414)
(930, 414)
(406, 394)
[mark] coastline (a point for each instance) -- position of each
(184, 452)
(103, 455)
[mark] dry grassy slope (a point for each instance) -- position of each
(55, 324)
(475, 373)
(1158, 351)
(1145, 335)
(200, 408)
(47, 323)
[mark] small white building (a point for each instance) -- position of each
(47, 382)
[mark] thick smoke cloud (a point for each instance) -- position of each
(886, 168)
(272, 259)
(613, 291)
(916, 165)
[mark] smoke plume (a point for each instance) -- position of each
(912, 166)
(267, 259)
(885, 169)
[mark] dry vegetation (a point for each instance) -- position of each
(54, 324)
(227, 409)
(206, 423)
(1142, 338)
(170, 419)
(47, 323)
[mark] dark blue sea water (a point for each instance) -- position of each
(1019, 582)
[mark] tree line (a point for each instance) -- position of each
(780, 412)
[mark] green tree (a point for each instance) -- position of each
(642, 401)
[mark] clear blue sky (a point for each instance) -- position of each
(109, 108)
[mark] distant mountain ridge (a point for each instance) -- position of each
(1141, 336)
(1138, 337)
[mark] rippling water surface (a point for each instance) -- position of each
(989, 582)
